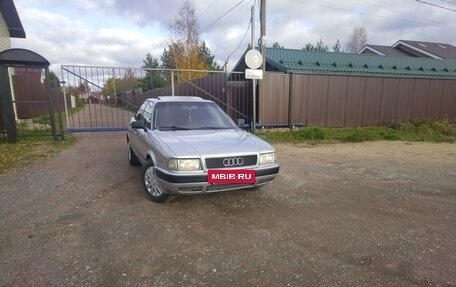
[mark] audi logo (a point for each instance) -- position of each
(232, 161)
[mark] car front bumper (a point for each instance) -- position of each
(197, 184)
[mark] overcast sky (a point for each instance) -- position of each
(119, 33)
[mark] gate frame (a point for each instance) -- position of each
(69, 74)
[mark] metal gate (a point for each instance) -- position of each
(105, 98)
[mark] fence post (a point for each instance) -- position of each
(114, 87)
(6, 105)
(290, 98)
(254, 107)
(55, 92)
(50, 105)
(172, 83)
(66, 104)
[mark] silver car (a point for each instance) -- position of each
(188, 145)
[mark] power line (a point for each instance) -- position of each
(207, 8)
(401, 12)
(242, 40)
(216, 21)
(363, 13)
(435, 5)
(448, 1)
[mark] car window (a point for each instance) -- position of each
(139, 114)
(147, 114)
(191, 116)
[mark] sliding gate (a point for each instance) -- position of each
(105, 98)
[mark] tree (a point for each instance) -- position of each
(184, 47)
(53, 79)
(185, 50)
(357, 39)
(277, 45)
(153, 79)
(337, 47)
(83, 89)
(320, 46)
(309, 47)
(167, 57)
(115, 86)
(206, 54)
(184, 28)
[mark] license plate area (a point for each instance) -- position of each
(230, 176)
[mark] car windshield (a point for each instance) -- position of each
(190, 116)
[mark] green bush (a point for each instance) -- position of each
(79, 102)
(310, 133)
(391, 137)
(438, 131)
(354, 136)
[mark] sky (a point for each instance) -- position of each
(119, 33)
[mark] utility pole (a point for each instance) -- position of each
(263, 31)
(252, 25)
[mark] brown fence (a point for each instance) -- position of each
(27, 110)
(31, 95)
(339, 101)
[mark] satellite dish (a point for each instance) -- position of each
(253, 59)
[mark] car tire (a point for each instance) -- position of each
(132, 159)
(151, 184)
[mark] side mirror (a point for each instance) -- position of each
(138, 125)
(242, 125)
(245, 127)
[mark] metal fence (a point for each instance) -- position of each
(346, 101)
(105, 98)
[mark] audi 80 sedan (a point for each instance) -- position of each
(188, 145)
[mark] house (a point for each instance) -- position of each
(302, 88)
(300, 61)
(10, 24)
(412, 49)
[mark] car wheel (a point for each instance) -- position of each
(132, 159)
(151, 184)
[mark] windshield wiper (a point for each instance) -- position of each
(174, 128)
(213, 128)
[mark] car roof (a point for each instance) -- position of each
(179, 99)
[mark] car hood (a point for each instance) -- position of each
(196, 143)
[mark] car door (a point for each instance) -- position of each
(136, 134)
(144, 135)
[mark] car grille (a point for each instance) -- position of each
(233, 161)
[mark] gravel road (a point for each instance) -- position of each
(367, 214)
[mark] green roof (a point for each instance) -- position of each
(302, 61)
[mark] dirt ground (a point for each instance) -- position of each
(368, 214)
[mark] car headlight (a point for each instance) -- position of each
(184, 164)
(266, 158)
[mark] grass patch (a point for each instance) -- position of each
(45, 120)
(29, 149)
(426, 131)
